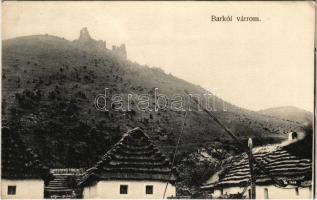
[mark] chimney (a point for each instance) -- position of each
(292, 136)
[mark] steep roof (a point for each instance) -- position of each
(281, 163)
(17, 161)
(134, 157)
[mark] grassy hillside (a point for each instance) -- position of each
(289, 113)
(49, 85)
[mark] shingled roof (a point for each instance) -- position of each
(281, 163)
(134, 157)
(17, 161)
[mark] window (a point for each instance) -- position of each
(266, 193)
(12, 190)
(123, 189)
(149, 189)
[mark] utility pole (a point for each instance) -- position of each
(250, 145)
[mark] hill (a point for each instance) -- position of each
(290, 113)
(49, 86)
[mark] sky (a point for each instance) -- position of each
(255, 65)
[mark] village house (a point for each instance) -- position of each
(132, 168)
(22, 174)
(289, 162)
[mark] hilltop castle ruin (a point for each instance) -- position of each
(85, 41)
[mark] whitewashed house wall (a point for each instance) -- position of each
(273, 192)
(30, 189)
(136, 189)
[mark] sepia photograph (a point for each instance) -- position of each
(158, 100)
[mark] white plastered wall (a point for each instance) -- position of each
(136, 189)
(25, 189)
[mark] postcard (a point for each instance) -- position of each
(157, 99)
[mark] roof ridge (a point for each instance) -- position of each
(141, 152)
(234, 170)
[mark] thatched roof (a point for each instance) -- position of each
(19, 162)
(283, 164)
(134, 157)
